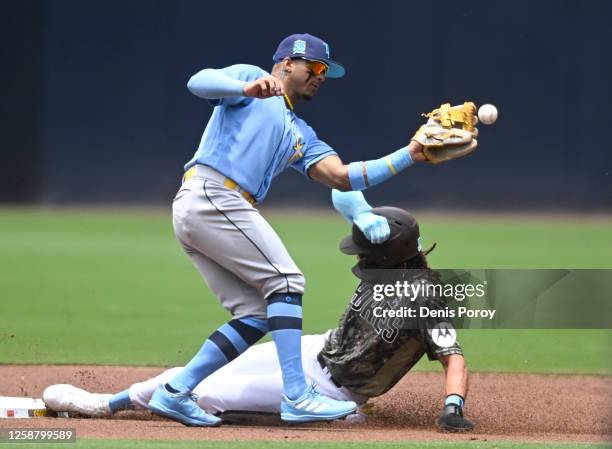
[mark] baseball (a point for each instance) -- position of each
(487, 114)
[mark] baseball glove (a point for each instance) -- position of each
(452, 420)
(450, 132)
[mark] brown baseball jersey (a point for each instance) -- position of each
(369, 354)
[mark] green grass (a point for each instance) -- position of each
(115, 288)
(138, 444)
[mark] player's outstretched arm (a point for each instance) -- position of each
(452, 418)
(456, 374)
(355, 209)
(213, 84)
(332, 172)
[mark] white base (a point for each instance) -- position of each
(12, 408)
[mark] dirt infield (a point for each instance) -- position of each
(520, 407)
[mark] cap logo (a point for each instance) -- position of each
(299, 46)
(326, 49)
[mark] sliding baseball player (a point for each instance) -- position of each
(357, 360)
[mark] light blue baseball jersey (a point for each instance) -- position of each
(252, 140)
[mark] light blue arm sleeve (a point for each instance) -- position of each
(213, 84)
(353, 206)
(350, 204)
(366, 174)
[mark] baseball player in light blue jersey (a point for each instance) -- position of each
(252, 136)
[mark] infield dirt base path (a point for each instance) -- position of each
(519, 407)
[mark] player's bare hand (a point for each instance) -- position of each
(266, 87)
(415, 149)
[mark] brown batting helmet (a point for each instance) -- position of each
(403, 243)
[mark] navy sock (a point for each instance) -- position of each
(120, 401)
(285, 324)
(223, 346)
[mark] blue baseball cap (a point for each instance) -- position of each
(307, 46)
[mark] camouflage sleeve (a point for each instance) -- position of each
(446, 346)
(434, 352)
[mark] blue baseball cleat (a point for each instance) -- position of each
(314, 406)
(182, 407)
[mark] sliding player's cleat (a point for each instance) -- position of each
(68, 398)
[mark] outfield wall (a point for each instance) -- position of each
(95, 107)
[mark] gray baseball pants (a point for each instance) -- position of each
(236, 251)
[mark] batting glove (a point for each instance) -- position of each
(452, 420)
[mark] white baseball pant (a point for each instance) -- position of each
(252, 382)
